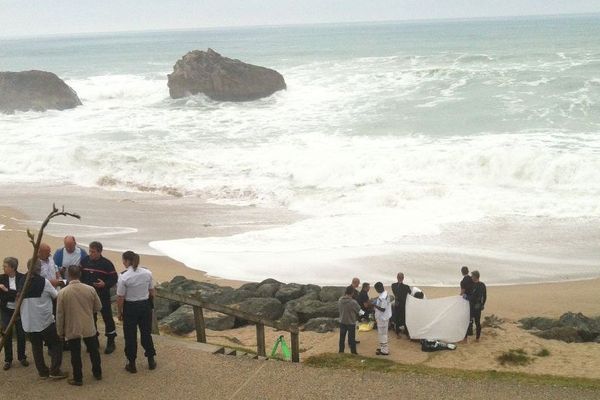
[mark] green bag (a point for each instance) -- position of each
(285, 350)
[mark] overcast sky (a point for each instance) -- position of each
(38, 17)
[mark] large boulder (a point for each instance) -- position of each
(217, 321)
(180, 322)
(321, 325)
(331, 293)
(164, 307)
(35, 90)
(267, 290)
(541, 323)
(563, 333)
(222, 78)
(288, 318)
(289, 292)
(232, 296)
(570, 327)
(310, 309)
(267, 308)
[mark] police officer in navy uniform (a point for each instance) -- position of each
(100, 273)
(135, 293)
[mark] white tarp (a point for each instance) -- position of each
(445, 319)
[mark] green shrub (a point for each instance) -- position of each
(514, 357)
(544, 352)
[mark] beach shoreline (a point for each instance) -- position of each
(513, 301)
(508, 302)
(532, 251)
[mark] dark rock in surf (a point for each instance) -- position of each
(222, 78)
(35, 90)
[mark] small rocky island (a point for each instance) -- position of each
(222, 78)
(313, 307)
(35, 90)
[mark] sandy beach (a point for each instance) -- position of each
(507, 302)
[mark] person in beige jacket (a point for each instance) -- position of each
(76, 305)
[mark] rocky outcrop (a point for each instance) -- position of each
(570, 327)
(35, 90)
(331, 293)
(270, 299)
(180, 322)
(222, 78)
(267, 308)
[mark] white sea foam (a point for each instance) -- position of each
(371, 149)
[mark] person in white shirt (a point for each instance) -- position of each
(135, 292)
(48, 268)
(38, 322)
(10, 283)
(383, 313)
(70, 254)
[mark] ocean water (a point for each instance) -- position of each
(387, 133)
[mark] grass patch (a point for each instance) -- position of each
(544, 352)
(514, 357)
(358, 363)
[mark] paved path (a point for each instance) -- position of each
(184, 372)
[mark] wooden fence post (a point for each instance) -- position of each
(295, 346)
(260, 340)
(199, 322)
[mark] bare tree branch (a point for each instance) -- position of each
(36, 242)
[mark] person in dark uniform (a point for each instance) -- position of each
(355, 284)
(466, 289)
(477, 302)
(135, 292)
(100, 273)
(400, 291)
(365, 302)
(10, 283)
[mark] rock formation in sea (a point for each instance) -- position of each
(222, 78)
(313, 307)
(35, 90)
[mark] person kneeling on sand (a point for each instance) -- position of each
(349, 311)
(383, 313)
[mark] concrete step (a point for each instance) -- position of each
(229, 352)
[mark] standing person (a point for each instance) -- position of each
(466, 289)
(75, 310)
(400, 291)
(477, 302)
(38, 322)
(355, 284)
(70, 254)
(10, 282)
(48, 267)
(383, 312)
(100, 273)
(135, 293)
(364, 302)
(349, 310)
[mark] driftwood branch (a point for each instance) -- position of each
(35, 242)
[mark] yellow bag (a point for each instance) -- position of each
(366, 326)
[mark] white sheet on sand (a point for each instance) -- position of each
(445, 319)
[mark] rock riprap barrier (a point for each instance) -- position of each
(570, 327)
(310, 306)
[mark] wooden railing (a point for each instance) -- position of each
(199, 305)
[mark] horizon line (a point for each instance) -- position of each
(298, 24)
